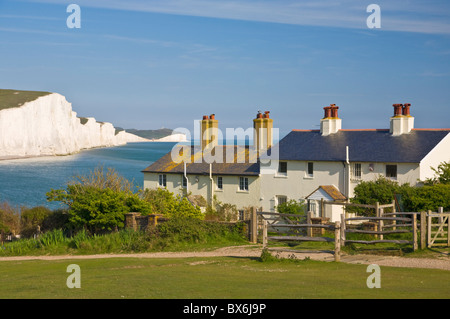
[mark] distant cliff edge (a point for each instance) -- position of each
(44, 124)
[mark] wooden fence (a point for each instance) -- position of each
(409, 225)
(290, 224)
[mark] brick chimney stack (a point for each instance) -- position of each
(263, 131)
(402, 122)
(331, 123)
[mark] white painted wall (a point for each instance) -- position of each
(296, 184)
(440, 153)
(230, 193)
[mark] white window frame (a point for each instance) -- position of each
(162, 180)
(356, 171)
(396, 171)
(308, 174)
(243, 184)
(219, 184)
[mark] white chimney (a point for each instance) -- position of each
(331, 123)
(402, 122)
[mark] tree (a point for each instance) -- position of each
(99, 201)
(442, 174)
(292, 207)
(166, 203)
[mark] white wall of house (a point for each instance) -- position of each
(298, 184)
(440, 153)
(406, 173)
(201, 185)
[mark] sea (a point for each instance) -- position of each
(25, 182)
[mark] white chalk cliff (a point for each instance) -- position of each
(49, 126)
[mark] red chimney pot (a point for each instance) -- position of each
(397, 109)
(334, 110)
(212, 116)
(327, 112)
(406, 107)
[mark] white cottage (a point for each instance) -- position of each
(309, 159)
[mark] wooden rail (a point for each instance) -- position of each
(336, 228)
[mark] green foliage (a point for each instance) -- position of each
(414, 199)
(442, 175)
(292, 207)
(99, 201)
(166, 203)
(221, 211)
(428, 197)
(31, 220)
(9, 219)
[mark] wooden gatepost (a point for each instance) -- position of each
(293, 226)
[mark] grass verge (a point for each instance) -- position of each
(215, 278)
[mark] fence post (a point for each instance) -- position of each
(394, 211)
(264, 234)
(429, 229)
(423, 229)
(343, 229)
(441, 212)
(308, 221)
(337, 241)
(414, 228)
(253, 226)
(381, 222)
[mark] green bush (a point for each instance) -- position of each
(166, 203)
(414, 199)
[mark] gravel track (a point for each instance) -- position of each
(255, 251)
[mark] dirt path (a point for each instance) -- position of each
(255, 251)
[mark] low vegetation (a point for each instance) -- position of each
(17, 98)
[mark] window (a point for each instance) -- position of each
(310, 169)
(243, 183)
(391, 171)
(356, 171)
(184, 181)
(219, 182)
(162, 182)
(281, 199)
(241, 215)
(282, 168)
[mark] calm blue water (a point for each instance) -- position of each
(24, 182)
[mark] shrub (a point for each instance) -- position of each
(166, 203)
(9, 219)
(31, 220)
(99, 201)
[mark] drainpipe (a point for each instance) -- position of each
(185, 176)
(212, 184)
(347, 160)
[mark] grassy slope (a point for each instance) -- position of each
(217, 278)
(16, 98)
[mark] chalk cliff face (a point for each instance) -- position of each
(48, 126)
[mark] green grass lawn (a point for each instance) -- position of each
(215, 278)
(16, 98)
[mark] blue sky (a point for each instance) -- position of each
(152, 64)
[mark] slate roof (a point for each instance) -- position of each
(249, 167)
(364, 145)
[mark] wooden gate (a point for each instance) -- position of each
(436, 223)
(282, 223)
